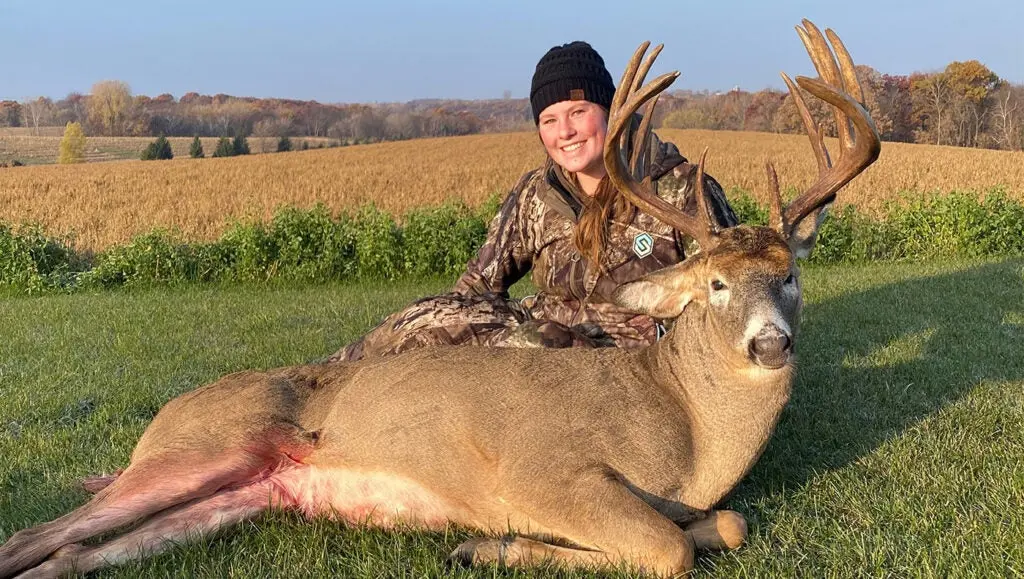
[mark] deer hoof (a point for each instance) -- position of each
(481, 550)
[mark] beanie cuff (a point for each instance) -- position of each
(570, 89)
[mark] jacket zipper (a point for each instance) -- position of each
(572, 289)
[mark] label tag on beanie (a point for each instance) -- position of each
(576, 94)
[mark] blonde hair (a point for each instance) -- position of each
(593, 228)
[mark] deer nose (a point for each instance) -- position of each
(771, 347)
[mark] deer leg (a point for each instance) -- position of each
(161, 532)
(612, 527)
(511, 551)
(721, 530)
(96, 483)
(148, 486)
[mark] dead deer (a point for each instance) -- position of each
(593, 458)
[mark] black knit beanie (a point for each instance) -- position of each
(573, 71)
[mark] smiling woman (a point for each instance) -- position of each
(568, 225)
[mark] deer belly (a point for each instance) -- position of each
(361, 498)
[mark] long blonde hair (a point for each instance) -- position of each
(594, 226)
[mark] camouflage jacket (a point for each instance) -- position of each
(533, 232)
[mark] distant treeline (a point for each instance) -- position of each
(966, 104)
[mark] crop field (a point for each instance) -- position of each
(23, 145)
(101, 204)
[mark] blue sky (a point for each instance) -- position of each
(388, 51)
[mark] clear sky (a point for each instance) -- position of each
(398, 50)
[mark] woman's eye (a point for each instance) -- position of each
(717, 285)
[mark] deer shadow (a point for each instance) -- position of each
(873, 363)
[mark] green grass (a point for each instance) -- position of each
(901, 453)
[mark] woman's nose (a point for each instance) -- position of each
(565, 129)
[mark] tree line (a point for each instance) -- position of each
(966, 104)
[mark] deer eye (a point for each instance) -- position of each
(717, 285)
(790, 280)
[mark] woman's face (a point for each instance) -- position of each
(573, 133)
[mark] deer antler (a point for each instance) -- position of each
(629, 97)
(858, 138)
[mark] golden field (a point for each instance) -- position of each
(23, 145)
(108, 203)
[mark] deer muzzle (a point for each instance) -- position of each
(771, 347)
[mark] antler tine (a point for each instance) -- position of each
(703, 208)
(859, 142)
(813, 133)
(641, 74)
(774, 199)
(642, 138)
(846, 66)
(625, 103)
(830, 72)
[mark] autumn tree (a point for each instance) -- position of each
(71, 109)
(972, 85)
(787, 117)
(1008, 117)
(689, 116)
(37, 112)
(894, 102)
(110, 107)
(10, 114)
(761, 110)
(72, 144)
(933, 98)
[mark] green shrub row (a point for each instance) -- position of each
(314, 245)
(309, 245)
(914, 228)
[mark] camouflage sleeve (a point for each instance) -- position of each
(674, 176)
(504, 257)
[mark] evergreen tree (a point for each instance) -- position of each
(160, 149)
(196, 149)
(284, 144)
(240, 145)
(72, 144)
(224, 148)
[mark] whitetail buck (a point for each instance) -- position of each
(596, 458)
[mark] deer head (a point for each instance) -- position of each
(745, 278)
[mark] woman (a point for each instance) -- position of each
(565, 223)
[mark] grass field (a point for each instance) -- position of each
(900, 453)
(108, 203)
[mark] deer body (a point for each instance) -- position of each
(443, 445)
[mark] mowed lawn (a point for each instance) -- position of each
(901, 453)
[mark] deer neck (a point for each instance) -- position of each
(732, 407)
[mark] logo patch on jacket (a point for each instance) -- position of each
(643, 244)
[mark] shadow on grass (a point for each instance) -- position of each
(875, 362)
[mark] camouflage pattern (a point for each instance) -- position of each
(533, 233)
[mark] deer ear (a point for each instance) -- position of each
(805, 232)
(662, 294)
